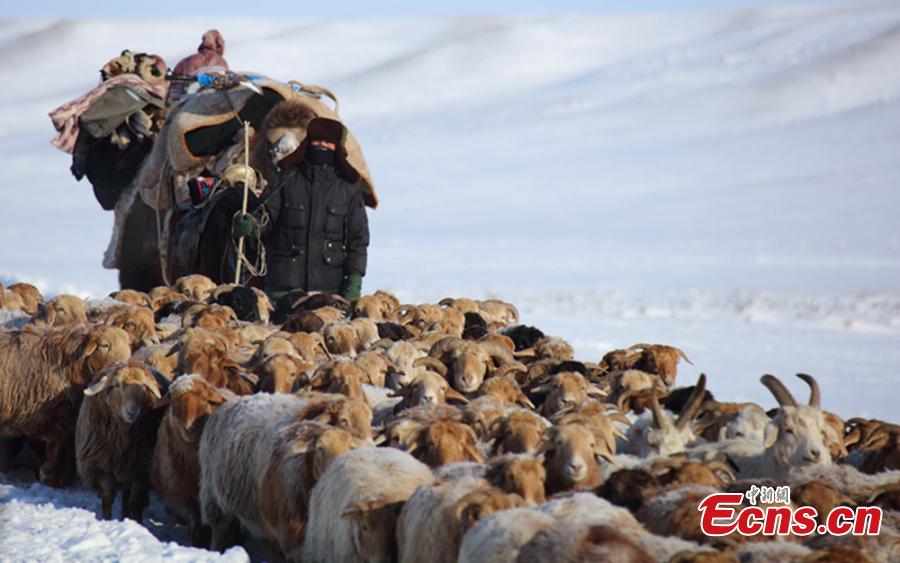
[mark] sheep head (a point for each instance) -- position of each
(661, 360)
(281, 373)
(571, 454)
(352, 415)
(195, 286)
(190, 400)
(103, 346)
(565, 389)
(476, 505)
(521, 431)
(376, 522)
(62, 310)
(445, 441)
(521, 474)
(801, 429)
(665, 436)
(428, 389)
(138, 322)
(129, 389)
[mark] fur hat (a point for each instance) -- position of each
(324, 129)
(213, 41)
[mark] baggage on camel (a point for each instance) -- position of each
(201, 138)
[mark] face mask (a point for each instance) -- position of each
(319, 155)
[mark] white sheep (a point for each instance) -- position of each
(795, 440)
(353, 509)
(660, 434)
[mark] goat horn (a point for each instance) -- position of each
(882, 489)
(641, 346)
(693, 403)
(619, 417)
(659, 419)
(161, 379)
(778, 390)
(433, 363)
(722, 467)
(684, 356)
(97, 387)
(526, 402)
(624, 397)
(324, 349)
(815, 395)
(515, 366)
(447, 302)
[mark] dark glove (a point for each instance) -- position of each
(352, 286)
(242, 224)
(79, 166)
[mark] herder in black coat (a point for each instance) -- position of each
(317, 233)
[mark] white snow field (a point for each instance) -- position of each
(727, 182)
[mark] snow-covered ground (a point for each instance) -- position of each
(726, 181)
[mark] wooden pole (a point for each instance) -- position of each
(240, 247)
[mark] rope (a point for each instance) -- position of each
(256, 268)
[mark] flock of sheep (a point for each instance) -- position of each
(373, 430)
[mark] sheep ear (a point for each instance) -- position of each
(474, 452)
(454, 396)
(89, 347)
(97, 387)
(174, 349)
(359, 509)
(163, 402)
(525, 401)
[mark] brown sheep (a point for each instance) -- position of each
(162, 296)
(280, 373)
(197, 287)
(554, 348)
(563, 390)
(339, 376)
(11, 301)
(629, 488)
(299, 458)
(420, 316)
(820, 496)
(136, 321)
(62, 310)
(132, 297)
(442, 512)
(427, 389)
(311, 346)
(570, 457)
(259, 465)
(660, 360)
(352, 415)
(376, 365)
(483, 413)
(377, 307)
(440, 442)
(30, 296)
(506, 390)
(158, 357)
(674, 473)
(205, 353)
(574, 543)
(43, 372)
(596, 415)
(521, 474)
(213, 317)
(467, 363)
(175, 471)
(115, 436)
(520, 431)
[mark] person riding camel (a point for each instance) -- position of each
(317, 232)
(209, 56)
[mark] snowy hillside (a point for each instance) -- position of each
(725, 182)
